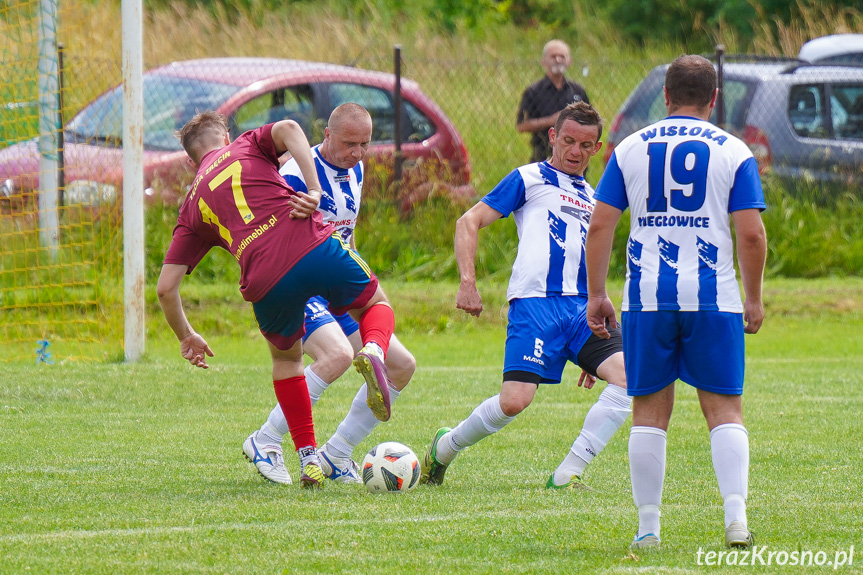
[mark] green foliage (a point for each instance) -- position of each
(671, 21)
(810, 236)
(691, 23)
(806, 237)
(652, 22)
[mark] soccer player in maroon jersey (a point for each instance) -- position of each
(239, 202)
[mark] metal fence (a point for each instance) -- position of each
(804, 123)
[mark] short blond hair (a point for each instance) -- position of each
(204, 132)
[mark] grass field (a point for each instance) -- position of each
(137, 468)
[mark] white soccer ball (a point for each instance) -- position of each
(390, 468)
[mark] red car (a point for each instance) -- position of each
(250, 92)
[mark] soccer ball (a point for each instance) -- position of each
(391, 468)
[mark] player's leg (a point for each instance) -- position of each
(650, 349)
(729, 446)
(332, 353)
(715, 365)
(342, 278)
(534, 354)
(377, 322)
(488, 418)
(337, 453)
(647, 454)
(602, 358)
(401, 364)
(292, 392)
(280, 318)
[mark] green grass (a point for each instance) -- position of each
(136, 468)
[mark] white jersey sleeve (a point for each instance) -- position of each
(552, 212)
(342, 191)
(680, 179)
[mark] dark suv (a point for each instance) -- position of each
(801, 120)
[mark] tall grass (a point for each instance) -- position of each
(815, 21)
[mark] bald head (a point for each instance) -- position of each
(349, 114)
(347, 136)
(555, 58)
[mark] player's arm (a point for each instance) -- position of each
(289, 137)
(597, 249)
(466, 239)
(193, 347)
(751, 255)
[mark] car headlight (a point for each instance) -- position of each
(89, 193)
(7, 188)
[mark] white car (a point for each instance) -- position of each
(834, 49)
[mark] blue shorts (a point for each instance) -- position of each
(702, 348)
(543, 333)
(318, 314)
(331, 270)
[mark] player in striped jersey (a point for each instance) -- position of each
(682, 314)
(333, 340)
(552, 205)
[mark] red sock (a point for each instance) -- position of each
(377, 325)
(293, 396)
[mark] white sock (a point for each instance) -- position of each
(308, 454)
(647, 473)
(729, 444)
(316, 385)
(276, 426)
(356, 426)
(486, 419)
(600, 424)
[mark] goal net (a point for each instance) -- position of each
(61, 243)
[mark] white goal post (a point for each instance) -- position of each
(133, 180)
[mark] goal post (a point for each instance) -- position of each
(133, 179)
(72, 264)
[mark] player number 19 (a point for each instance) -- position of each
(694, 153)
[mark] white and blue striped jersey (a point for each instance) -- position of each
(342, 191)
(681, 178)
(552, 212)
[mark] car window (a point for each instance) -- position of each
(169, 103)
(378, 102)
(294, 103)
(846, 109)
(738, 96)
(806, 111)
(852, 58)
(421, 128)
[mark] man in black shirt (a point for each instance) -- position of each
(542, 101)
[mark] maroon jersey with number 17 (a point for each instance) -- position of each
(238, 202)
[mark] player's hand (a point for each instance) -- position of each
(753, 316)
(195, 349)
(304, 204)
(586, 380)
(600, 314)
(468, 299)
